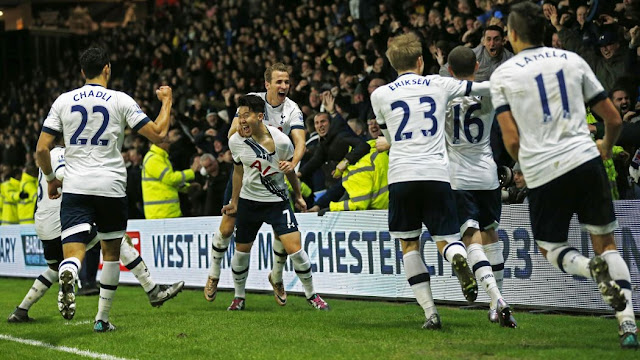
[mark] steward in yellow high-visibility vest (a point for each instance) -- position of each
(10, 189)
(160, 184)
(28, 195)
(366, 183)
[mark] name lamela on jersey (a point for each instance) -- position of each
(541, 56)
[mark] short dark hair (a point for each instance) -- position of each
(253, 102)
(462, 61)
(493, 28)
(92, 61)
(528, 21)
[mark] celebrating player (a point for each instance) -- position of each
(92, 120)
(474, 178)
(260, 195)
(539, 97)
(284, 114)
(47, 223)
(411, 114)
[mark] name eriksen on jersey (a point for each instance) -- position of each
(418, 81)
(553, 54)
(98, 94)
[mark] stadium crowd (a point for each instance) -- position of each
(212, 52)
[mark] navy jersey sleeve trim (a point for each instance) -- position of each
(142, 123)
(468, 91)
(383, 126)
(59, 166)
(50, 131)
(596, 99)
(237, 162)
(297, 127)
(502, 108)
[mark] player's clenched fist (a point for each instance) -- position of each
(164, 93)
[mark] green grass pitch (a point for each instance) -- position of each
(188, 327)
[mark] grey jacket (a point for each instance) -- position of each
(487, 64)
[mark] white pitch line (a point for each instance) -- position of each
(67, 349)
(76, 323)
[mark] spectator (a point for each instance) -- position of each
(160, 183)
(335, 140)
(134, 184)
(489, 54)
(518, 192)
(613, 59)
(365, 183)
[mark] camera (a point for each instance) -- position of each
(505, 176)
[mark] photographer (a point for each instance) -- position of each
(516, 190)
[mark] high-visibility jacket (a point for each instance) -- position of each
(160, 185)
(27, 206)
(366, 183)
(10, 195)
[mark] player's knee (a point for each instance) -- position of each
(111, 250)
(550, 250)
(226, 226)
(411, 244)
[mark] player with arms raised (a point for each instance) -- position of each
(411, 114)
(92, 120)
(539, 96)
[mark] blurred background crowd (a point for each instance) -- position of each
(211, 52)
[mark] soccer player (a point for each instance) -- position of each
(474, 178)
(260, 195)
(47, 223)
(411, 114)
(92, 119)
(284, 114)
(539, 97)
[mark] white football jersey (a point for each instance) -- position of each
(92, 120)
(262, 181)
(468, 133)
(412, 109)
(546, 89)
(47, 215)
(284, 117)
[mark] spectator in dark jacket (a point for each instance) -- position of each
(337, 143)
